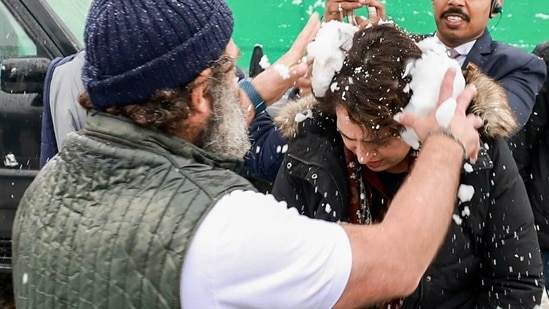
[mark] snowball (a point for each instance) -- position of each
(465, 193)
(427, 73)
(328, 51)
(299, 117)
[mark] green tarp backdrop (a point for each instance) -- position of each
(275, 24)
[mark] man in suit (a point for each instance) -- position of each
(462, 26)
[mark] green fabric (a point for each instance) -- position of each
(106, 223)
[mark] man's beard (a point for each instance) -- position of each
(227, 131)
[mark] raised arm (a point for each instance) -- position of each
(284, 74)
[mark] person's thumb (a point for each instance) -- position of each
(406, 119)
(297, 71)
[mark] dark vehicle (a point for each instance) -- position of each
(32, 33)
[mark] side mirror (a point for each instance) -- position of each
(23, 75)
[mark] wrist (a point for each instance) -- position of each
(449, 135)
(256, 99)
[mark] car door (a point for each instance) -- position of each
(31, 35)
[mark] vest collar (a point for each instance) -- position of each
(122, 130)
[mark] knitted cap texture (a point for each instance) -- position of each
(136, 47)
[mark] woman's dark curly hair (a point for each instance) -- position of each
(167, 107)
(370, 86)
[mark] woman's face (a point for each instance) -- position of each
(390, 157)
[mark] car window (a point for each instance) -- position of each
(73, 14)
(20, 112)
(14, 42)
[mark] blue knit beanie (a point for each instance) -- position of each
(136, 47)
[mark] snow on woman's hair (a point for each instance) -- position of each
(427, 73)
(328, 51)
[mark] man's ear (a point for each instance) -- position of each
(200, 102)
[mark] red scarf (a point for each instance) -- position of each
(370, 181)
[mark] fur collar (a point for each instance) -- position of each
(490, 103)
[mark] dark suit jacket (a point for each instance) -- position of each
(521, 73)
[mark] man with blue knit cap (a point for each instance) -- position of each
(144, 208)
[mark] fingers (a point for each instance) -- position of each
(380, 9)
(464, 130)
(447, 86)
(475, 121)
(335, 9)
(463, 127)
(299, 47)
(466, 97)
(304, 84)
(473, 151)
(364, 23)
(376, 13)
(293, 59)
(408, 119)
(297, 71)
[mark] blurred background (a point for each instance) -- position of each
(275, 24)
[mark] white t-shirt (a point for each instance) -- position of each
(252, 252)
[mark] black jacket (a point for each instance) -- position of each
(530, 148)
(490, 257)
(313, 176)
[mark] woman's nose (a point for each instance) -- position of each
(365, 155)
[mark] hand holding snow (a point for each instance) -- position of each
(427, 73)
(328, 50)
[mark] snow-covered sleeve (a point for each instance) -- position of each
(253, 252)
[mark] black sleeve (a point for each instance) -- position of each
(511, 261)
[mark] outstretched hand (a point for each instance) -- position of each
(464, 127)
(284, 74)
